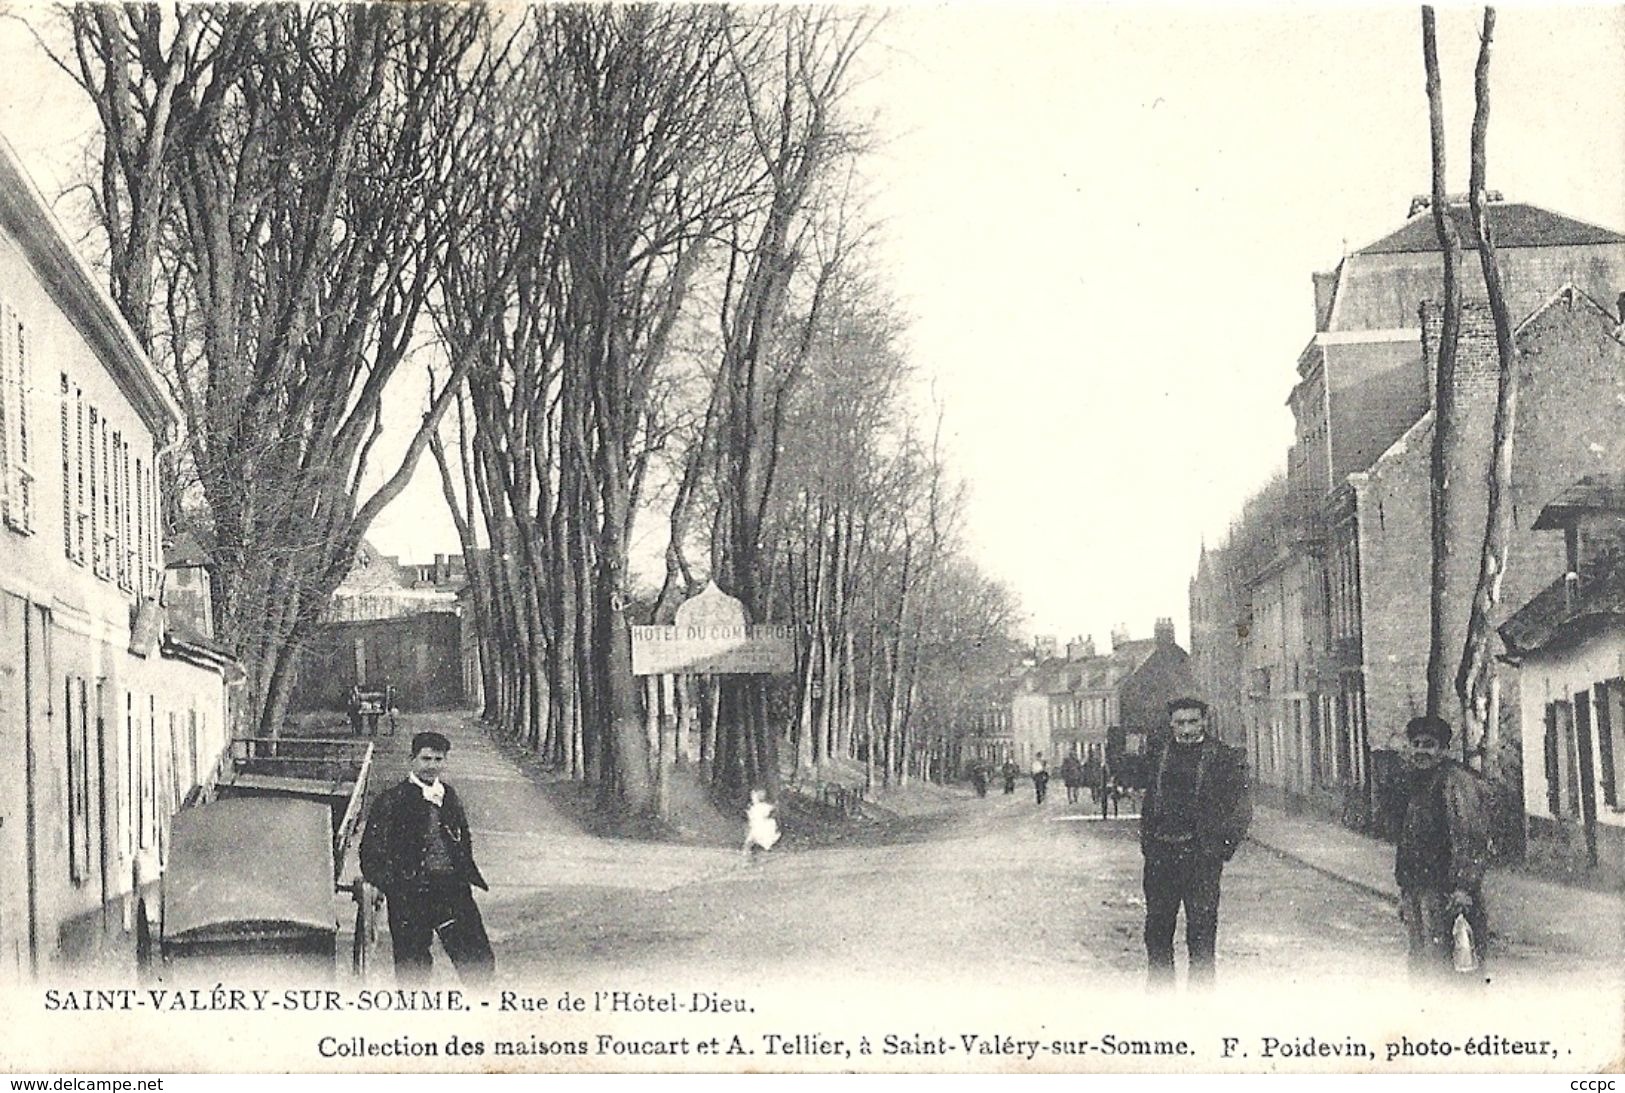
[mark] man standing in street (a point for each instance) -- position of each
(416, 849)
(1040, 777)
(1072, 776)
(1443, 851)
(1196, 812)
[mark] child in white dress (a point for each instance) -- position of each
(761, 829)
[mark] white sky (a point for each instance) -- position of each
(1103, 222)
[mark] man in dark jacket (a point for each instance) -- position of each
(1443, 850)
(416, 849)
(1196, 812)
(1072, 776)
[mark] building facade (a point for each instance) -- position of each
(1100, 702)
(114, 722)
(1327, 574)
(1567, 644)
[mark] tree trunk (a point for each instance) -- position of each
(1475, 677)
(1444, 403)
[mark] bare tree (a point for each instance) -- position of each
(290, 175)
(1475, 677)
(1444, 380)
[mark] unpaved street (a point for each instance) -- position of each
(995, 889)
(998, 889)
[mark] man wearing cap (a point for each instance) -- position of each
(1196, 812)
(1443, 849)
(416, 849)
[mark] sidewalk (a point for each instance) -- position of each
(1524, 910)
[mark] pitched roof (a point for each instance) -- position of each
(1129, 655)
(1603, 492)
(185, 550)
(1599, 597)
(1511, 225)
(80, 293)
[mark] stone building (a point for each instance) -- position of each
(1100, 701)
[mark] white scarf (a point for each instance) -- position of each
(433, 792)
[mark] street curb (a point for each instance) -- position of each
(1364, 886)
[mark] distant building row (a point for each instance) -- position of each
(1084, 701)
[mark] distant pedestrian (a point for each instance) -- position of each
(1040, 777)
(761, 828)
(1072, 777)
(416, 849)
(1443, 851)
(1009, 770)
(978, 778)
(1092, 771)
(1107, 792)
(1195, 813)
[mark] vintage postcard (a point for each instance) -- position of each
(771, 539)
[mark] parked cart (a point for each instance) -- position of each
(370, 708)
(269, 871)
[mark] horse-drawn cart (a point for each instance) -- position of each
(269, 871)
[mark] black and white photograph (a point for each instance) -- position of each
(704, 539)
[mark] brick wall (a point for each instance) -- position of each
(1571, 421)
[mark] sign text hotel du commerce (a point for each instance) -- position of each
(710, 635)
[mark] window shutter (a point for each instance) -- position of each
(107, 537)
(25, 425)
(16, 392)
(66, 433)
(7, 415)
(80, 516)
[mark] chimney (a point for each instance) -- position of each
(1119, 636)
(1080, 648)
(1044, 646)
(1325, 295)
(1164, 631)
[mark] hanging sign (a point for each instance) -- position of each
(711, 635)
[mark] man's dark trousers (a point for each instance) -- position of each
(445, 907)
(1173, 876)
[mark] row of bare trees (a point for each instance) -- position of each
(695, 349)
(629, 240)
(279, 186)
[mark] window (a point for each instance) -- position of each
(81, 514)
(16, 426)
(121, 510)
(93, 419)
(1610, 708)
(140, 542)
(152, 545)
(127, 525)
(108, 542)
(149, 780)
(1562, 770)
(77, 707)
(132, 780)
